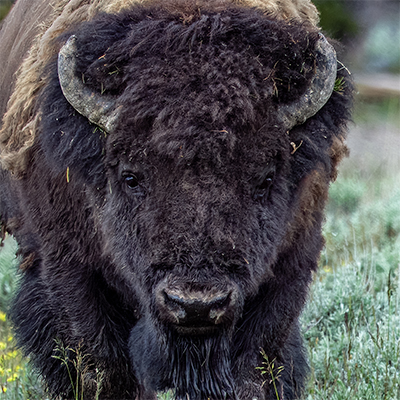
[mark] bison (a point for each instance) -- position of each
(165, 170)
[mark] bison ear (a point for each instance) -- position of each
(318, 91)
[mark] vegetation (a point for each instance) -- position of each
(336, 19)
(17, 380)
(352, 322)
(5, 6)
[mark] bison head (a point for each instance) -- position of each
(206, 178)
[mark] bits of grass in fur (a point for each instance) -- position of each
(339, 85)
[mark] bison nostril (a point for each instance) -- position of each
(174, 305)
(173, 298)
(216, 315)
(196, 309)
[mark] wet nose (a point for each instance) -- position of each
(197, 309)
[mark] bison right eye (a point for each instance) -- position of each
(262, 185)
(263, 189)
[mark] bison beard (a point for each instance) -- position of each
(198, 367)
(200, 196)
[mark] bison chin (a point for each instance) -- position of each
(196, 367)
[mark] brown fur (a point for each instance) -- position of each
(338, 151)
(16, 35)
(313, 197)
(315, 191)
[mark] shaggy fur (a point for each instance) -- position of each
(20, 123)
(198, 188)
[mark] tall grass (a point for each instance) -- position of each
(17, 380)
(352, 322)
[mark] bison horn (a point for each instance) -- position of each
(319, 90)
(97, 108)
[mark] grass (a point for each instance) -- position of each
(352, 321)
(351, 324)
(271, 373)
(76, 363)
(353, 336)
(17, 380)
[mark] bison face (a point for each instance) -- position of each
(195, 183)
(194, 219)
(199, 226)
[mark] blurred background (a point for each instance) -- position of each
(352, 322)
(370, 33)
(5, 6)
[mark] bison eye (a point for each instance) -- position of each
(262, 190)
(131, 181)
(262, 184)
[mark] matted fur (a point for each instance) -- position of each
(20, 123)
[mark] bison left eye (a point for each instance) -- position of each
(131, 181)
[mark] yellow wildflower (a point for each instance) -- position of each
(12, 354)
(13, 377)
(327, 268)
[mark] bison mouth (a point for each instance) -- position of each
(195, 330)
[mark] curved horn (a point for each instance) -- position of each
(98, 109)
(319, 90)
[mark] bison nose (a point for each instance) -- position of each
(196, 309)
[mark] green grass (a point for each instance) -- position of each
(352, 321)
(351, 324)
(352, 328)
(17, 380)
